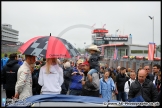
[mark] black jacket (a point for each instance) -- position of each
(120, 81)
(94, 61)
(9, 74)
(36, 88)
(147, 91)
(150, 77)
(67, 73)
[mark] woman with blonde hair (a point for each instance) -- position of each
(51, 77)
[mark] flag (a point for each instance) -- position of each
(103, 25)
(102, 50)
(115, 54)
(78, 57)
(151, 51)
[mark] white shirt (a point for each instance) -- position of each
(51, 83)
(24, 81)
(126, 86)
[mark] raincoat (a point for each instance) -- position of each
(106, 88)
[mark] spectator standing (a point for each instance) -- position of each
(107, 86)
(9, 75)
(121, 78)
(51, 77)
(143, 87)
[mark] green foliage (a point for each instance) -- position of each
(81, 50)
(8, 53)
(159, 48)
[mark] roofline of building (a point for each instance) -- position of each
(9, 28)
(123, 44)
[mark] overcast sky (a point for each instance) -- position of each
(42, 18)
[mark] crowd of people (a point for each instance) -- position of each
(25, 78)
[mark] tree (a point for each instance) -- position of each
(81, 50)
(159, 48)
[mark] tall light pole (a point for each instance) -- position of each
(84, 45)
(116, 36)
(152, 18)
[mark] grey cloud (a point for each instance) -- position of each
(42, 18)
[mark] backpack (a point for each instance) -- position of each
(129, 83)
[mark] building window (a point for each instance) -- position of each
(122, 52)
(137, 51)
(145, 51)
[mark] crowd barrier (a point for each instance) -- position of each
(134, 64)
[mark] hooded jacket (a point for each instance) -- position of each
(9, 74)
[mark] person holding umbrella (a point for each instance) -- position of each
(51, 48)
(51, 77)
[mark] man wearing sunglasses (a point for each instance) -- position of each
(149, 75)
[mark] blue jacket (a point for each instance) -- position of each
(4, 61)
(75, 81)
(20, 62)
(106, 88)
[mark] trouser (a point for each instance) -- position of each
(9, 95)
(65, 87)
(75, 92)
(121, 96)
(90, 93)
(4, 86)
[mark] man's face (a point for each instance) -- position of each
(32, 59)
(132, 76)
(147, 69)
(155, 69)
(85, 68)
(142, 76)
(123, 71)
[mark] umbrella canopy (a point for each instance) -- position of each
(49, 47)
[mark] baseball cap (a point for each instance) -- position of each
(85, 63)
(79, 61)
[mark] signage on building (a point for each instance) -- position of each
(100, 31)
(116, 38)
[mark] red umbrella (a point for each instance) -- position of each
(49, 47)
